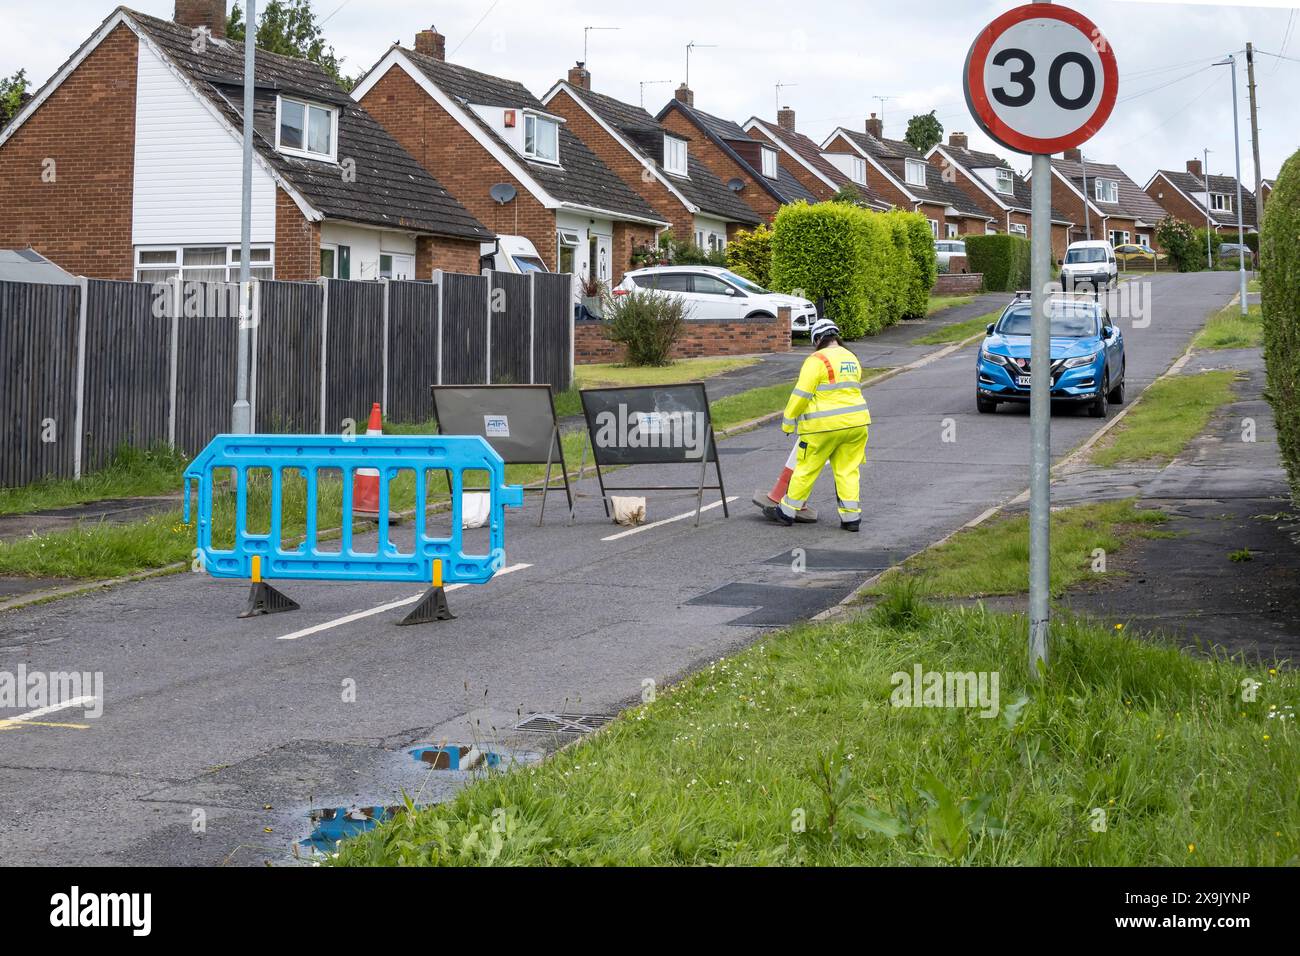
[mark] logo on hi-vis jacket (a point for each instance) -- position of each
(848, 368)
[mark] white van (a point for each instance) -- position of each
(511, 254)
(1091, 264)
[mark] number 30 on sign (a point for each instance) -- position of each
(1041, 79)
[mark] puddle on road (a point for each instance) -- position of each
(455, 757)
(329, 826)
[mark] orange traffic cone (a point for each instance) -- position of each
(365, 481)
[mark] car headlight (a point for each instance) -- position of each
(1081, 360)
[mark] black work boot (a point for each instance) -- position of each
(777, 515)
(854, 526)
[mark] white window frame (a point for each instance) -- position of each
(334, 248)
(1006, 182)
(1143, 239)
(934, 228)
(1106, 190)
(1019, 229)
(534, 119)
(768, 162)
(308, 105)
(177, 264)
(1125, 237)
(950, 229)
(859, 174)
(676, 159)
(1220, 202)
(915, 171)
(392, 258)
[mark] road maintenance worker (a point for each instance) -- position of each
(831, 416)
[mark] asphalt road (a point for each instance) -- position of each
(218, 735)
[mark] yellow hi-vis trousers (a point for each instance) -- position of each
(845, 449)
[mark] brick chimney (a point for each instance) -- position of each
(958, 141)
(202, 13)
(431, 43)
(1074, 155)
(785, 119)
(1194, 167)
(876, 127)
(580, 76)
(684, 94)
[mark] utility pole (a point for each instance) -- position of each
(1231, 63)
(1254, 131)
(1087, 215)
(241, 415)
(1209, 229)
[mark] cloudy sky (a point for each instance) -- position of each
(838, 56)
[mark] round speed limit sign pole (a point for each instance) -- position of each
(1041, 79)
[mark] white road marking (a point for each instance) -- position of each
(51, 709)
(383, 608)
(657, 524)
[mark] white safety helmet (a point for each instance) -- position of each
(822, 328)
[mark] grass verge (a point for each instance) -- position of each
(1172, 412)
(939, 303)
(993, 558)
(616, 376)
(793, 753)
(959, 331)
(1229, 329)
(131, 474)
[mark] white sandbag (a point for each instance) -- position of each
(628, 511)
(475, 507)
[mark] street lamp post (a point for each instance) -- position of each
(1209, 247)
(1231, 62)
(241, 416)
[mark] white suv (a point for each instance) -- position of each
(712, 292)
(1089, 264)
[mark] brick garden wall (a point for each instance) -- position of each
(969, 283)
(702, 339)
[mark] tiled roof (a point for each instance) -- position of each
(699, 186)
(389, 189)
(581, 178)
(1022, 200)
(811, 153)
(1191, 185)
(785, 188)
(893, 155)
(1133, 203)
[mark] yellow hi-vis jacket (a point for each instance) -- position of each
(828, 395)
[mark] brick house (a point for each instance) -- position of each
(1265, 191)
(1102, 202)
(900, 173)
(1002, 192)
(804, 158)
(474, 131)
(652, 161)
(751, 167)
(93, 178)
(1186, 196)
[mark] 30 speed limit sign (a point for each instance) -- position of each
(1041, 79)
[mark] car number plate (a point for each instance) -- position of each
(1023, 381)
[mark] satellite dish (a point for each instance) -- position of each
(502, 192)
(736, 185)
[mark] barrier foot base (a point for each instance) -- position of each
(432, 607)
(264, 599)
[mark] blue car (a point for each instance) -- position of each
(1088, 362)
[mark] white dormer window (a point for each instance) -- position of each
(1107, 190)
(769, 162)
(675, 155)
(1006, 182)
(1220, 202)
(541, 138)
(306, 129)
(859, 170)
(916, 172)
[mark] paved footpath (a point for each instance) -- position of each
(211, 720)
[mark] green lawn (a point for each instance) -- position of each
(130, 474)
(939, 303)
(1171, 413)
(960, 331)
(615, 376)
(993, 558)
(1230, 330)
(793, 752)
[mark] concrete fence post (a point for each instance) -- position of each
(487, 362)
(383, 392)
(532, 328)
(79, 412)
(324, 344)
(442, 296)
(255, 313)
(177, 292)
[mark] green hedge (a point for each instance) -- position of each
(1003, 259)
(749, 254)
(864, 268)
(1280, 282)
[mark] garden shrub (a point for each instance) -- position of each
(1003, 259)
(1280, 283)
(749, 254)
(647, 324)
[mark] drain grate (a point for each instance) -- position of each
(562, 723)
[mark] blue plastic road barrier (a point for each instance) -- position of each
(435, 559)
